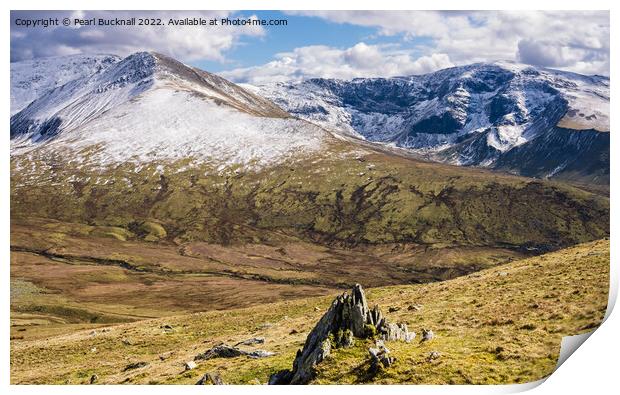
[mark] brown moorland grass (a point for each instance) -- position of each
(500, 325)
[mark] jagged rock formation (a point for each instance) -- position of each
(347, 317)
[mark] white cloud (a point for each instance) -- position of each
(360, 60)
(186, 43)
(571, 40)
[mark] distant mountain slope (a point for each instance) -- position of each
(151, 140)
(32, 78)
(530, 121)
(151, 107)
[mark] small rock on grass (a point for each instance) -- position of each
(166, 355)
(433, 355)
(251, 341)
(135, 365)
(427, 335)
(380, 357)
(210, 378)
(260, 354)
(219, 351)
(189, 365)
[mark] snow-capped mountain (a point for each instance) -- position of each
(527, 120)
(150, 107)
(32, 78)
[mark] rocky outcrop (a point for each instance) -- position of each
(347, 318)
(219, 351)
(226, 351)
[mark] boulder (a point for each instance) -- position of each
(225, 351)
(260, 354)
(251, 341)
(220, 351)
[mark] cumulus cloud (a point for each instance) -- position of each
(186, 43)
(571, 40)
(553, 54)
(360, 60)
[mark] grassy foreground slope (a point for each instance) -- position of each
(499, 325)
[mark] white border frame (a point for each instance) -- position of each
(592, 369)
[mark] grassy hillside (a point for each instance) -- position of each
(499, 325)
(347, 196)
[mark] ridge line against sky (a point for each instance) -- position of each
(338, 44)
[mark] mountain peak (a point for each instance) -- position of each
(150, 107)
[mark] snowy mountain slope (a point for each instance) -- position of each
(149, 107)
(469, 115)
(32, 78)
(151, 142)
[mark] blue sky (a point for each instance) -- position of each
(338, 44)
(301, 31)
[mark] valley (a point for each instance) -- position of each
(157, 209)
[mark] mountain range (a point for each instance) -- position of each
(505, 116)
(150, 139)
(150, 107)
(522, 119)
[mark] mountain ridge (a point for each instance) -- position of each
(32, 78)
(164, 109)
(468, 115)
